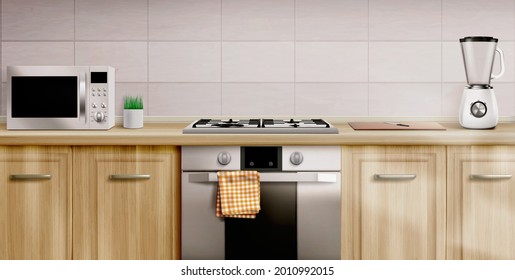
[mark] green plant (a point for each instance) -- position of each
(133, 103)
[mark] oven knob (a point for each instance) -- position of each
(478, 109)
(99, 117)
(103, 105)
(296, 158)
(224, 158)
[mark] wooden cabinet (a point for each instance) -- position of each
(481, 202)
(393, 202)
(35, 203)
(126, 202)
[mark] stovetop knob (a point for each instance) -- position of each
(224, 158)
(296, 158)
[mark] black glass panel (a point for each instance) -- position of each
(272, 235)
(261, 158)
(98, 77)
(44, 97)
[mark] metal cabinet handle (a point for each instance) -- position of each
(490, 176)
(30, 176)
(395, 176)
(129, 176)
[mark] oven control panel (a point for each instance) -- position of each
(261, 158)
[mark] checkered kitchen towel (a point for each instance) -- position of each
(238, 194)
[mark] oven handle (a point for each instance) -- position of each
(82, 96)
(296, 177)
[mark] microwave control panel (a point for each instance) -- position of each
(101, 98)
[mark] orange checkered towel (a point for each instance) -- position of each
(238, 194)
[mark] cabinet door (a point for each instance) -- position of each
(393, 203)
(126, 203)
(35, 203)
(481, 201)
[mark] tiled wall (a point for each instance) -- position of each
(268, 57)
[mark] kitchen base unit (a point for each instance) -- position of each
(393, 200)
(126, 203)
(300, 203)
(35, 203)
(481, 202)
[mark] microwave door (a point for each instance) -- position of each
(49, 102)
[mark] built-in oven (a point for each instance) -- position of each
(60, 97)
(300, 203)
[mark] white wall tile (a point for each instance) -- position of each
(129, 58)
(36, 53)
(258, 100)
(451, 98)
(331, 20)
(185, 20)
(185, 99)
(505, 94)
(33, 20)
(331, 62)
(111, 20)
(258, 61)
(478, 18)
(331, 99)
(258, 20)
(392, 99)
(405, 61)
(454, 71)
(452, 93)
(130, 89)
(185, 61)
(405, 20)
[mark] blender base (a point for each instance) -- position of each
(478, 109)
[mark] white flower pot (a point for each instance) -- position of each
(133, 118)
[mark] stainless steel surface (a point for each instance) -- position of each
(318, 200)
(395, 176)
(246, 129)
(82, 96)
(296, 158)
(30, 176)
(224, 158)
(490, 176)
(297, 177)
(478, 109)
(85, 116)
(130, 176)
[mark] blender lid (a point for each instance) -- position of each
(479, 39)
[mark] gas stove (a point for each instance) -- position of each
(260, 126)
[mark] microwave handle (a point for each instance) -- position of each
(82, 96)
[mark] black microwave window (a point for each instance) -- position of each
(44, 97)
(98, 77)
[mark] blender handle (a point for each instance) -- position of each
(501, 54)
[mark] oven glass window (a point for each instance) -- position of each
(44, 97)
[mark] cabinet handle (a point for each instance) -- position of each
(30, 176)
(490, 176)
(395, 176)
(129, 176)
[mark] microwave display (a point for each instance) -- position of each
(44, 97)
(98, 77)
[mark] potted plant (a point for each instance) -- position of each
(133, 112)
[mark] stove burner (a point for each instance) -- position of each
(251, 126)
(292, 121)
(228, 124)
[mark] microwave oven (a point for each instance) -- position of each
(60, 97)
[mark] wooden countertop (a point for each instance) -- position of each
(171, 134)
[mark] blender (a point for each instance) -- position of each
(478, 108)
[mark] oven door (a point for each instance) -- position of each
(46, 97)
(299, 219)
